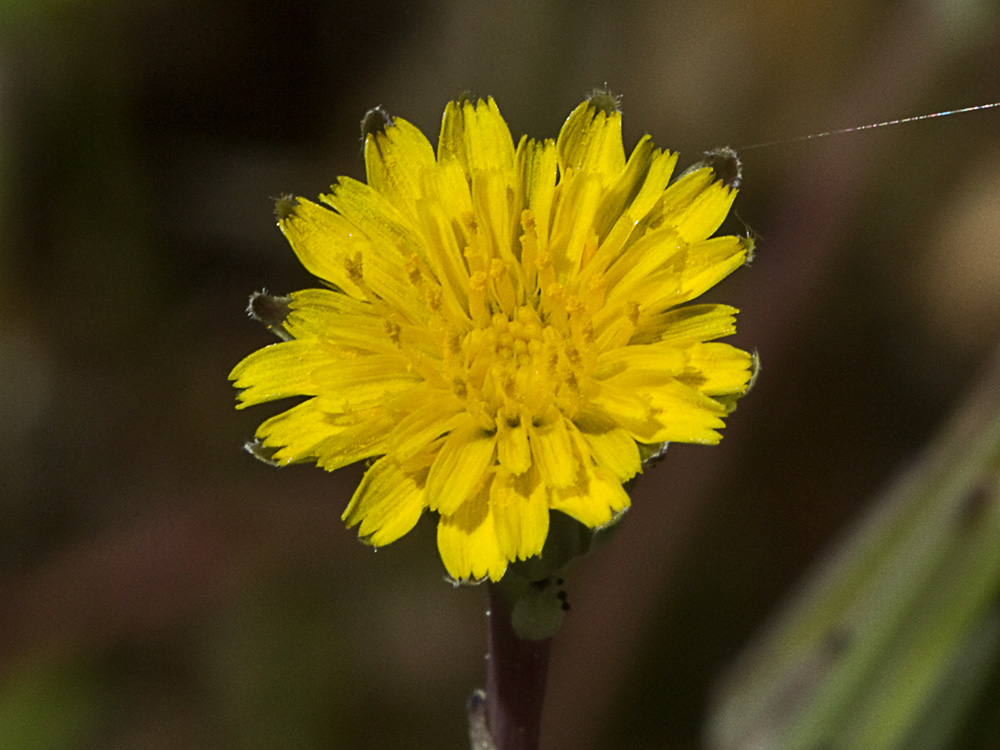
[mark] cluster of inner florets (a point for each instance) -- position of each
(518, 365)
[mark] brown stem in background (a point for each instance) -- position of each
(516, 672)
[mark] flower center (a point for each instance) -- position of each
(519, 367)
(531, 350)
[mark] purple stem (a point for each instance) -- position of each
(516, 670)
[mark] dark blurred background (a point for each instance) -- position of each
(160, 589)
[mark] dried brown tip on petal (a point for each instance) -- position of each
(651, 453)
(726, 164)
(604, 100)
(754, 371)
(284, 206)
(376, 120)
(262, 453)
(270, 310)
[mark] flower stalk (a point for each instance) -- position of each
(516, 673)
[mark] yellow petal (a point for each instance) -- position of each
(626, 203)
(653, 252)
(656, 408)
(350, 327)
(685, 415)
(395, 156)
(440, 413)
(521, 514)
(363, 438)
(625, 406)
(591, 140)
(686, 325)
(297, 431)
(324, 312)
(717, 369)
(476, 136)
(536, 170)
(610, 446)
(382, 239)
(618, 195)
(663, 359)
(387, 504)
(690, 273)
(513, 450)
(451, 139)
(447, 196)
(491, 203)
(552, 451)
(653, 182)
(352, 383)
(488, 143)
(573, 223)
(615, 324)
(709, 262)
(467, 541)
(460, 466)
(279, 371)
(323, 242)
(696, 204)
(372, 214)
(594, 499)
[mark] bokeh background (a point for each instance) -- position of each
(160, 589)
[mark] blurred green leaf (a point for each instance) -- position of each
(48, 706)
(868, 653)
(966, 680)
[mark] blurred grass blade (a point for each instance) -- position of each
(49, 703)
(865, 655)
(965, 681)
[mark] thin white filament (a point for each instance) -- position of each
(872, 126)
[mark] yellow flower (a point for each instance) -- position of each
(504, 326)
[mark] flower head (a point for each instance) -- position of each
(504, 327)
